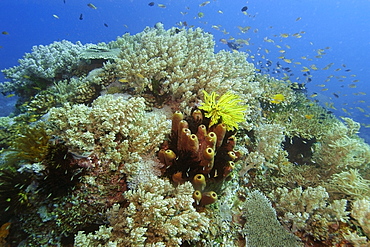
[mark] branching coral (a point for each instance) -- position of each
(178, 64)
(114, 127)
(308, 210)
(301, 118)
(350, 183)
(43, 62)
(339, 149)
(158, 214)
(361, 213)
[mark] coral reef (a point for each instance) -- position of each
(90, 157)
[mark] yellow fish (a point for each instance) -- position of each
(360, 109)
(305, 69)
(10, 95)
(284, 35)
(92, 6)
(268, 40)
(277, 99)
(287, 60)
(313, 67)
(309, 116)
(204, 3)
(123, 80)
(140, 75)
(32, 120)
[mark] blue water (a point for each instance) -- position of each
(340, 28)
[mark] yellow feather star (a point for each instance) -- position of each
(227, 109)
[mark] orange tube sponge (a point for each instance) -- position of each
(220, 131)
(228, 169)
(211, 140)
(232, 155)
(208, 198)
(177, 178)
(176, 118)
(208, 158)
(197, 116)
(230, 143)
(161, 155)
(197, 196)
(183, 138)
(192, 143)
(199, 182)
(201, 133)
(169, 157)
